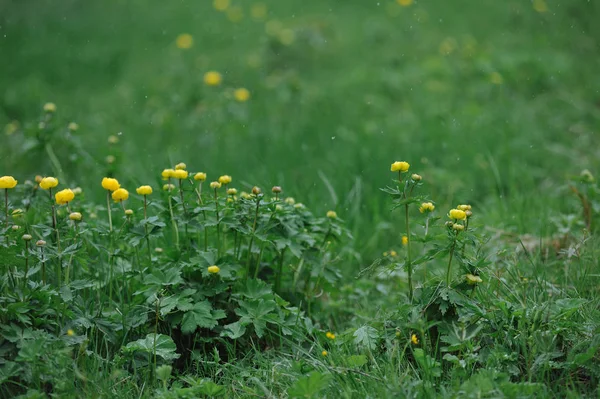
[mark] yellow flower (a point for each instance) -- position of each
(70, 332)
(457, 214)
(76, 216)
(180, 174)
(212, 78)
(259, 11)
(77, 190)
(200, 176)
(416, 177)
(472, 279)
(17, 213)
(299, 205)
(167, 173)
(404, 240)
(496, 78)
(414, 339)
(393, 253)
(540, 6)
(232, 191)
(405, 3)
(385, 253)
(464, 207)
(400, 166)
(330, 335)
(426, 207)
(215, 185)
(110, 184)
(324, 353)
(256, 190)
(168, 187)
(112, 139)
(225, 179)
(221, 5)
(241, 94)
(129, 212)
(64, 196)
(235, 14)
(276, 190)
(458, 227)
(214, 269)
(73, 127)
(110, 159)
(181, 166)
(184, 41)
(120, 195)
(49, 182)
(7, 182)
(331, 214)
(290, 201)
(245, 195)
(50, 107)
(144, 190)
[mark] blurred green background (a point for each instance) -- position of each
(494, 102)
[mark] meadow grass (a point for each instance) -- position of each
(494, 103)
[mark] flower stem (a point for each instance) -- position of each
(26, 263)
(6, 204)
(108, 208)
(146, 227)
(450, 261)
(218, 224)
(199, 194)
(408, 254)
(252, 238)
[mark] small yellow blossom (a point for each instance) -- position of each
(256, 190)
(48, 182)
(70, 332)
(73, 127)
(38, 179)
(221, 5)
(458, 227)
(167, 173)
(232, 191)
(393, 253)
(64, 196)
(287, 36)
(404, 3)
(180, 166)
(200, 176)
(385, 253)
(215, 185)
(426, 207)
(75, 216)
(330, 335)
(464, 207)
(404, 240)
(120, 195)
(400, 166)
(17, 213)
(184, 41)
(414, 339)
(212, 78)
(214, 269)
(472, 279)
(290, 201)
(259, 11)
(496, 78)
(331, 214)
(241, 94)
(129, 212)
(112, 139)
(110, 184)
(540, 6)
(144, 190)
(50, 107)
(245, 195)
(324, 353)
(7, 182)
(299, 205)
(180, 174)
(457, 214)
(416, 177)
(169, 187)
(225, 179)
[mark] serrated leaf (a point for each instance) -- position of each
(234, 330)
(257, 314)
(165, 347)
(200, 315)
(356, 361)
(309, 386)
(366, 336)
(256, 289)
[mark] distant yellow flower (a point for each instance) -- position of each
(50, 107)
(472, 279)
(405, 3)
(324, 353)
(385, 253)
(180, 174)
(256, 190)
(26, 237)
(214, 269)
(290, 201)
(331, 214)
(414, 339)
(200, 176)
(64, 196)
(129, 212)
(287, 36)
(457, 214)
(404, 240)
(416, 177)
(330, 335)
(184, 41)
(393, 253)
(120, 195)
(110, 159)
(48, 182)
(169, 187)
(299, 205)
(400, 166)
(426, 207)
(241, 94)
(464, 207)
(458, 227)
(276, 190)
(215, 185)
(144, 190)
(17, 213)
(245, 195)
(259, 11)
(235, 14)
(221, 5)
(110, 184)
(77, 190)
(448, 45)
(168, 173)
(73, 127)
(70, 332)
(212, 78)
(225, 179)
(180, 166)
(75, 216)
(496, 78)
(112, 139)
(540, 6)
(231, 191)
(7, 182)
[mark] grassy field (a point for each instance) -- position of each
(496, 104)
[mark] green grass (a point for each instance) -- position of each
(493, 103)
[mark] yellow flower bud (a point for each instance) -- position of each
(48, 182)
(120, 195)
(324, 353)
(40, 243)
(64, 196)
(400, 166)
(464, 207)
(290, 201)
(276, 190)
(212, 78)
(231, 191)
(113, 139)
(255, 190)
(457, 214)
(15, 227)
(414, 339)
(7, 182)
(200, 176)
(472, 279)
(75, 216)
(180, 174)
(110, 184)
(158, 250)
(214, 269)
(73, 127)
(27, 237)
(180, 166)
(70, 332)
(17, 213)
(38, 179)
(331, 214)
(458, 227)
(416, 177)
(299, 205)
(184, 41)
(144, 190)
(50, 108)
(225, 179)
(77, 191)
(404, 240)
(393, 253)
(426, 207)
(110, 159)
(129, 212)
(169, 187)
(215, 185)
(168, 173)
(241, 94)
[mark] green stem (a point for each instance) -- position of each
(26, 263)
(279, 271)
(218, 224)
(450, 262)
(109, 212)
(155, 332)
(146, 227)
(6, 204)
(408, 254)
(173, 218)
(252, 238)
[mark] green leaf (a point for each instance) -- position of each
(366, 336)
(257, 314)
(201, 315)
(356, 360)
(165, 347)
(256, 289)
(234, 330)
(309, 386)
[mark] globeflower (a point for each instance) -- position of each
(75, 216)
(129, 212)
(180, 174)
(64, 196)
(458, 227)
(241, 94)
(400, 166)
(331, 214)
(120, 195)
(169, 187)
(464, 207)
(212, 78)
(330, 335)
(184, 41)
(324, 353)
(414, 339)
(50, 108)
(426, 207)
(213, 269)
(180, 165)
(144, 190)
(48, 182)
(167, 173)
(416, 177)
(225, 179)
(215, 184)
(472, 279)
(110, 184)
(200, 176)
(232, 191)
(404, 240)
(7, 182)
(457, 214)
